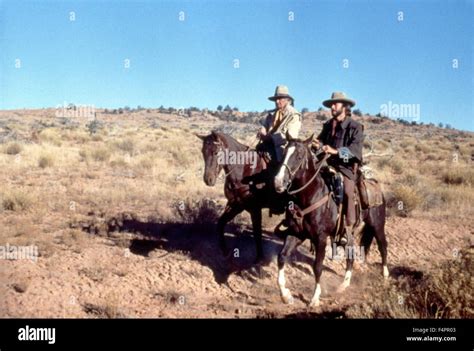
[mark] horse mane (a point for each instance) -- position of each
(318, 157)
(229, 141)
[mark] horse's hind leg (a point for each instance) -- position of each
(366, 239)
(320, 245)
(382, 245)
(229, 213)
(291, 243)
(256, 215)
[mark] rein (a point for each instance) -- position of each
(312, 178)
(298, 214)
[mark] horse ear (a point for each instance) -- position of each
(202, 137)
(309, 140)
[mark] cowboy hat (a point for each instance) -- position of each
(281, 91)
(338, 97)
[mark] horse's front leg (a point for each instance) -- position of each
(291, 243)
(350, 253)
(231, 210)
(320, 244)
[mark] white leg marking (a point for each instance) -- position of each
(346, 282)
(285, 293)
(317, 293)
(385, 272)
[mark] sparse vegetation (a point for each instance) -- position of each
(126, 145)
(145, 170)
(408, 198)
(45, 161)
(446, 292)
(15, 200)
(13, 149)
(458, 175)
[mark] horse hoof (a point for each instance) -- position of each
(342, 288)
(287, 298)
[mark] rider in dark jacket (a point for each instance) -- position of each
(342, 137)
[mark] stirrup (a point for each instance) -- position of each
(343, 240)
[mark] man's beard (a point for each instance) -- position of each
(337, 113)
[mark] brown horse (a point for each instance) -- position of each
(314, 217)
(244, 188)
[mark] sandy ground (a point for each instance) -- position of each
(123, 264)
(177, 271)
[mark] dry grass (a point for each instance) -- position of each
(98, 154)
(73, 239)
(51, 136)
(45, 161)
(446, 292)
(408, 198)
(205, 211)
(108, 308)
(15, 200)
(458, 175)
(126, 145)
(13, 149)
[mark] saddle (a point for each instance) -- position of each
(367, 194)
(369, 189)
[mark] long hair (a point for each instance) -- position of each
(348, 110)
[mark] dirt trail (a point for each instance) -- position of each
(175, 270)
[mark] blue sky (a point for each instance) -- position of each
(191, 62)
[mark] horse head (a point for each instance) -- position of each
(295, 162)
(211, 146)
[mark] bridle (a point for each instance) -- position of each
(292, 173)
(298, 214)
(221, 149)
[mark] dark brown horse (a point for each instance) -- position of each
(243, 189)
(315, 217)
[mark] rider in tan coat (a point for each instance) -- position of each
(283, 122)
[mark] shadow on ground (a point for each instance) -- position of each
(199, 242)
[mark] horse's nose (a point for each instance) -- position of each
(279, 188)
(210, 181)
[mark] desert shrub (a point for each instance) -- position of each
(397, 165)
(126, 145)
(45, 161)
(204, 211)
(13, 149)
(15, 200)
(407, 198)
(445, 292)
(458, 175)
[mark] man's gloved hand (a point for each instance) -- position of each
(315, 144)
(262, 133)
(329, 150)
